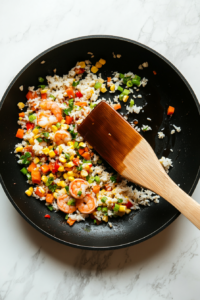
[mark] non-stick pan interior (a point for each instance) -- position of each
(167, 87)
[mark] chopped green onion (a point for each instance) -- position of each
(42, 86)
(79, 193)
(99, 208)
(50, 207)
(104, 199)
(121, 96)
(53, 97)
(76, 145)
(26, 155)
(49, 181)
(87, 177)
(116, 207)
(137, 77)
(24, 171)
(80, 168)
(67, 156)
(95, 221)
(120, 89)
(29, 176)
(66, 217)
(71, 202)
(46, 134)
(97, 179)
(75, 83)
(40, 79)
(119, 200)
(125, 79)
(135, 81)
(71, 102)
(113, 178)
(38, 127)
(132, 102)
(40, 140)
(91, 180)
(121, 75)
(32, 118)
(92, 105)
(58, 125)
(126, 92)
(67, 189)
(87, 161)
(99, 161)
(129, 83)
(97, 85)
(104, 209)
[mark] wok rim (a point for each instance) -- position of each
(197, 175)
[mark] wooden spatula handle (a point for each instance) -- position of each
(184, 203)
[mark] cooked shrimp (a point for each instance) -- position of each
(45, 119)
(62, 204)
(78, 187)
(53, 107)
(86, 205)
(62, 137)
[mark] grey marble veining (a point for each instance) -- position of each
(35, 267)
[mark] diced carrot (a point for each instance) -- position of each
(76, 161)
(117, 106)
(45, 168)
(49, 198)
(31, 167)
(69, 120)
(96, 189)
(86, 155)
(44, 96)
(170, 110)
(33, 106)
(36, 176)
(154, 72)
(86, 149)
(37, 192)
(68, 169)
(70, 93)
(31, 95)
(81, 103)
(22, 114)
(29, 148)
(109, 79)
(20, 133)
(71, 222)
(81, 151)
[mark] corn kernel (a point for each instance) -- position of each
(60, 149)
(98, 64)
(122, 208)
(105, 218)
(44, 91)
(64, 126)
(35, 131)
(36, 160)
(62, 159)
(102, 61)
(19, 149)
(70, 144)
(37, 136)
(61, 169)
(128, 211)
(103, 89)
(45, 151)
(20, 118)
(55, 195)
(87, 167)
(54, 128)
(31, 141)
(94, 69)
(81, 64)
(52, 153)
(69, 164)
(84, 173)
(51, 175)
(71, 157)
(112, 88)
(82, 144)
(65, 175)
(31, 189)
(28, 193)
(70, 173)
(62, 183)
(71, 178)
(44, 178)
(62, 121)
(125, 98)
(20, 105)
(90, 170)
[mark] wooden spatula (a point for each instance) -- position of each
(133, 158)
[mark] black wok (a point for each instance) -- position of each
(167, 87)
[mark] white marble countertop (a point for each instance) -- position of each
(35, 267)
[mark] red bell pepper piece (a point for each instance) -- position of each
(44, 96)
(76, 161)
(29, 125)
(54, 166)
(79, 94)
(47, 216)
(129, 204)
(79, 70)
